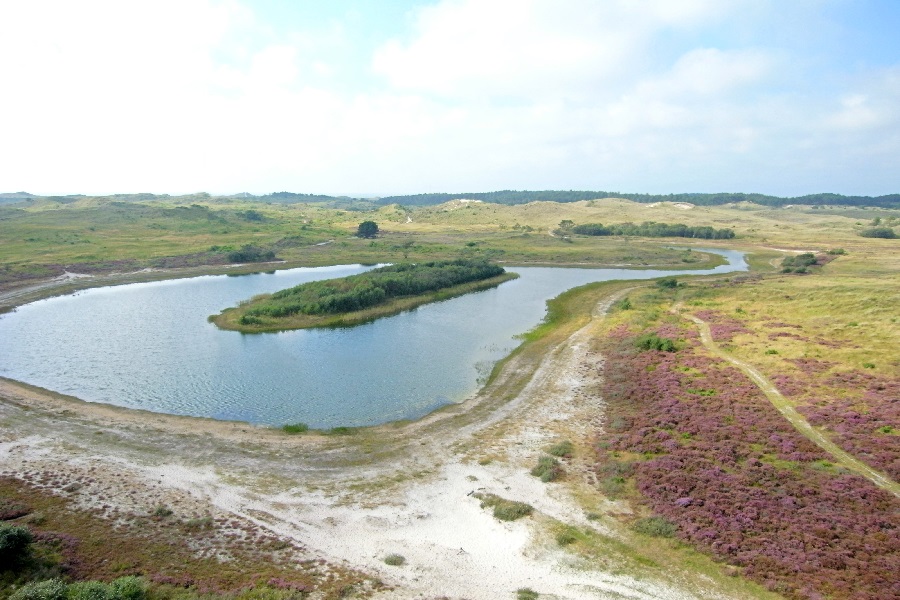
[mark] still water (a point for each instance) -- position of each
(149, 346)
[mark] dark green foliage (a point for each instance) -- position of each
(878, 232)
(623, 304)
(548, 469)
(367, 229)
(369, 289)
(394, 560)
(651, 341)
(250, 253)
(651, 229)
(15, 542)
(667, 283)
(837, 251)
(799, 263)
(295, 428)
(526, 594)
(655, 527)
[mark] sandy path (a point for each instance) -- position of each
(790, 413)
(334, 500)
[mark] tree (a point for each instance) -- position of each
(367, 229)
(566, 224)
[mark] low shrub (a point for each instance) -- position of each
(15, 544)
(295, 428)
(655, 527)
(651, 341)
(548, 469)
(562, 449)
(394, 560)
(567, 536)
(505, 510)
(52, 589)
(526, 594)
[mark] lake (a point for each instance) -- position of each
(149, 346)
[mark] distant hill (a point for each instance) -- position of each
(500, 197)
(522, 197)
(10, 197)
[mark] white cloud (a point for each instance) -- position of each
(202, 94)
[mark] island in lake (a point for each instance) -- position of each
(361, 298)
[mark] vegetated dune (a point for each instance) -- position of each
(669, 450)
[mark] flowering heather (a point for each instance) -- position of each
(722, 327)
(740, 482)
(866, 425)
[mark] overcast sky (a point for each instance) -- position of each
(785, 97)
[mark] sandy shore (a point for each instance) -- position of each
(397, 489)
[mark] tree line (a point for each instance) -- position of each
(371, 288)
(651, 229)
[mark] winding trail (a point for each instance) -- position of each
(790, 413)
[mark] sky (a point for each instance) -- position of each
(783, 97)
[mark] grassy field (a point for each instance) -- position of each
(45, 237)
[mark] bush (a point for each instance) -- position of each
(651, 341)
(129, 588)
(505, 510)
(52, 589)
(526, 594)
(15, 544)
(295, 428)
(567, 536)
(655, 527)
(667, 283)
(878, 232)
(89, 590)
(548, 469)
(562, 449)
(394, 560)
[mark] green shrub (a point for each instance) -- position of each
(562, 449)
(655, 527)
(52, 589)
(128, 588)
(15, 544)
(548, 469)
(667, 283)
(295, 428)
(567, 536)
(878, 232)
(342, 431)
(623, 304)
(505, 510)
(89, 590)
(395, 560)
(526, 594)
(651, 341)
